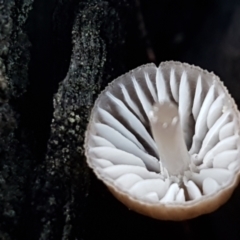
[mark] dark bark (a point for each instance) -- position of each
(15, 164)
(61, 187)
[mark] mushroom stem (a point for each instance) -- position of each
(168, 135)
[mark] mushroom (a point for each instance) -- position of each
(165, 141)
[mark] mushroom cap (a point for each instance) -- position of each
(121, 150)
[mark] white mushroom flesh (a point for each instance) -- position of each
(165, 135)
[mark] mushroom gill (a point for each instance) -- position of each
(165, 140)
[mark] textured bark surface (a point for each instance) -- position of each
(15, 164)
(55, 58)
(64, 179)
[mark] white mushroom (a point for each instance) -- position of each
(166, 141)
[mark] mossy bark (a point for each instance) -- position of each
(45, 197)
(61, 188)
(15, 164)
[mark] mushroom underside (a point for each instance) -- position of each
(165, 136)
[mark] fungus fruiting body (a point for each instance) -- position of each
(165, 141)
